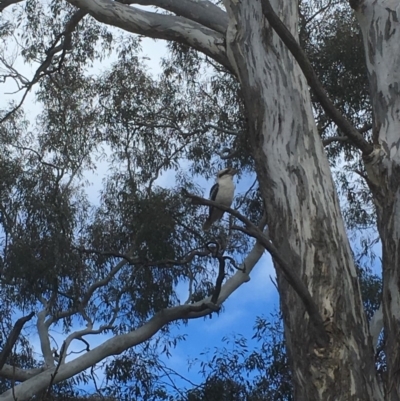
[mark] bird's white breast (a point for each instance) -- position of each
(225, 190)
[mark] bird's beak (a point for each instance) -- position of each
(233, 171)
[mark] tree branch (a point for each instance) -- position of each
(288, 39)
(289, 271)
(101, 283)
(17, 374)
(50, 53)
(5, 3)
(79, 334)
(331, 139)
(120, 343)
(13, 337)
(158, 26)
(376, 326)
(43, 331)
(205, 13)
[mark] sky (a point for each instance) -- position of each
(258, 297)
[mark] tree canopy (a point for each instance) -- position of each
(111, 263)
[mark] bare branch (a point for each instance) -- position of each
(289, 271)
(158, 26)
(163, 163)
(100, 283)
(78, 334)
(331, 139)
(366, 127)
(240, 204)
(50, 53)
(204, 12)
(220, 278)
(376, 326)
(18, 78)
(119, 343)
(340, 138)
(288, 39)
(225, 131)
(43, 331)
(13, 337)
(39, 156)
(17, 374)
(318, 12)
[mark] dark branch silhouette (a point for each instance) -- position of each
(290, 272)
(13, 337)
(288, 39)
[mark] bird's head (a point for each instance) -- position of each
(227, 171)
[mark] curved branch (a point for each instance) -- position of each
(55, 48)
(288, 39)
(43, 326)
(118, 344)
(5, 3)
(157, 26)
(331, 139)
(289, 271)
(13, 337)
(204, 12)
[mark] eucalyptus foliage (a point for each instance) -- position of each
(107, 262)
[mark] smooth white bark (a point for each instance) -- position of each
(18, 374)
(158, 26)
(376, 326)
(202, 11)
(43, 331)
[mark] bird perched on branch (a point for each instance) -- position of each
(222, 192)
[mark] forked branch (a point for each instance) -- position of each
(120, 343)
(289, 271)
(158, 26)
(288, 39)
(62, 43)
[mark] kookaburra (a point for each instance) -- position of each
(222, 192)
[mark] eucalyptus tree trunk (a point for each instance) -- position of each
(303, 214)
(379, 22)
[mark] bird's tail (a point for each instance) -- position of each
(207, 225)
